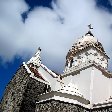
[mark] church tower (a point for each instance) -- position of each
(87, 67)
(86, 50)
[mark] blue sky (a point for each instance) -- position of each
(52, 25)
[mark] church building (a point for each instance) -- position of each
(84, 86)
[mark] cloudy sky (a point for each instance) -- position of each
(53, 25)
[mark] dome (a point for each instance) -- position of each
(88, 40)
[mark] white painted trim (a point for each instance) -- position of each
(58, 98)
(91, 86)
(28, 70)
(109, 87)
(49, 71)
(32, 76)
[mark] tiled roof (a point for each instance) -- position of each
(36, 73)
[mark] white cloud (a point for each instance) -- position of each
(54, 30)
(11, 26)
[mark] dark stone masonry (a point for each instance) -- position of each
(59, 106)
(13, 96)
(21, 93)
(30, 96)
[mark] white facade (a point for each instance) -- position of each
(93, 84)
(102, 87)
(85, 75)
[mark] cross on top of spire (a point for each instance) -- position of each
(90, 27)
(89, 32)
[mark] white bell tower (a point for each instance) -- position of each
(86, 50)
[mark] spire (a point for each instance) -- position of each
(38, 52)
(36, 59)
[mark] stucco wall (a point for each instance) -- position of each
(48, 77)
(82, 80)
(101, 86)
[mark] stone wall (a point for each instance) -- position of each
(13, 95)
(0, 108)
(21, 93)
(58, 106)
(34, 88)
(103, 109)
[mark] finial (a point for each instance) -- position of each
(38, 52)
(39, 48)
(89, 32)
(90, 27)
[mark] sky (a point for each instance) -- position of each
(52, 25)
